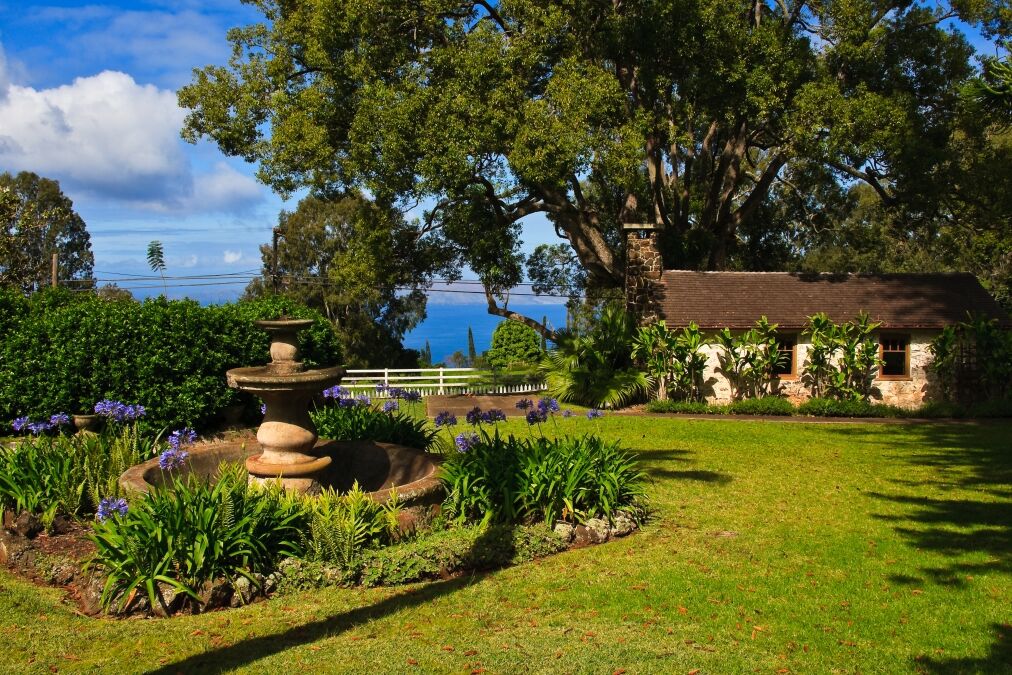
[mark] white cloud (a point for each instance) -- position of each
(108, 137)
(232, 257)
(187, 261)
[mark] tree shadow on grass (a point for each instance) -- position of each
(715, 477)
(251, 650)
(998, 660)
(501, 539)
(964, 458)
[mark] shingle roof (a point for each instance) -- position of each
(737, 299)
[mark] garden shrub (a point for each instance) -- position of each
(194, 533)
(64, 351)
(510, 480)
(825, 407)
(767, 405)
(513, 343)
(358, 422)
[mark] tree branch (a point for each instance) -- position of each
(494, 308)
(868, 178)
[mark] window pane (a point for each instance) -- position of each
(894, 363)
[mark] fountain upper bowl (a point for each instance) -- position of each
(272, 378)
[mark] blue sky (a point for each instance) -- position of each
(87, 96)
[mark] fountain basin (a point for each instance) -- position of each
(379, 468)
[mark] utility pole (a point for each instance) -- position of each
(55, 271)
(275, 280)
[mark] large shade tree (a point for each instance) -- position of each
(36, 221)
(688, 114)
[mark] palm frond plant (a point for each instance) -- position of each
(597, 368)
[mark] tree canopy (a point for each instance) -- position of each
(37, 220)
(696, 115)
(364, 267)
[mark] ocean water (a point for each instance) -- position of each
(445, 326)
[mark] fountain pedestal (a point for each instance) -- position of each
(287, 436)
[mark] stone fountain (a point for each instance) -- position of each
(287, 436)
(287, 446)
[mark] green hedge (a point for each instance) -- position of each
(825, 407)
(61, 351)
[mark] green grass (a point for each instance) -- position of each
(775, 547)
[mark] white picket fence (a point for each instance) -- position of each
(431, 381)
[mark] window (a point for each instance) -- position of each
(786, 366)
(894, 350)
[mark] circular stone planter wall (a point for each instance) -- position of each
(378, 467)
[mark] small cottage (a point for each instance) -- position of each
(911, 308)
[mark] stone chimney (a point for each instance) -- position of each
(643, 270)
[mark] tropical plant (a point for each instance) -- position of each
(654, 346)
(596, 368)
(750, 360)
(193, 532)
(156, 260)
(842, 359)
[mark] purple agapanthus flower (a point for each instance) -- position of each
(567, 413)
(38, 427)
(363, 399)
(110, 506)
(181, 437)
(382, 387)
(473, 415)
(118, 411)
(263, 408)
(525, 404)
(172, 458)
(594, 413)
(59, 419)
(20, 423)
(492, 416)
(548, 405)
(446, 419)
(465, 441)
(337, 392)
(391, 406)
(411, 396)
(536, 417)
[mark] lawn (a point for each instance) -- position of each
(774, 547)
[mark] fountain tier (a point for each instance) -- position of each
(287, 436)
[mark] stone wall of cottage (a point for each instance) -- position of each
(919, 388)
